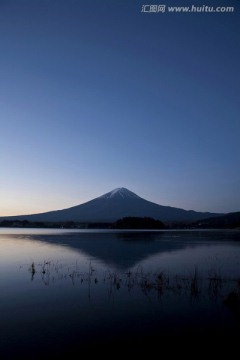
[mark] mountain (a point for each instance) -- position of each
(228, 221)
(115, 205)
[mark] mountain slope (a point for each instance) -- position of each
(114, 205)
(228, 221)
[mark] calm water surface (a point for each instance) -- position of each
(66, 290)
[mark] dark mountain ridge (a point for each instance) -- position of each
(228, 221)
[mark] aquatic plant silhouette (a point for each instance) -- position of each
(160, 282)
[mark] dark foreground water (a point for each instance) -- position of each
(73, 292)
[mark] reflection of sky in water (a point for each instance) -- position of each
(70, 254)
(70, 310)
(173, 252)
(219, 258)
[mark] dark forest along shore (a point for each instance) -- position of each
(72, 289)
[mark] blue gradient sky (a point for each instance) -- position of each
(96, 95)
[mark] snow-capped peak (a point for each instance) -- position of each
(120, 193)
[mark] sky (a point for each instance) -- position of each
(99, 94)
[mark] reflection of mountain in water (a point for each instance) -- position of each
(125, 249)
(118, 249)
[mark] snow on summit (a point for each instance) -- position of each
(120, 193)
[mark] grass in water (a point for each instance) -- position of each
(160, 282)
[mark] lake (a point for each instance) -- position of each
(68, 291)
